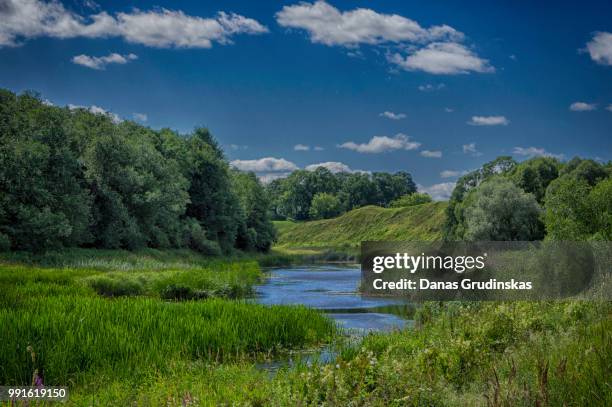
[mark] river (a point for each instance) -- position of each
(333, 289)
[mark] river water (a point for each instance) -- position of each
(333, 289)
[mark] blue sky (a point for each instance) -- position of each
(434, 88)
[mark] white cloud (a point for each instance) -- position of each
(438, 192)
(25, 19)
(392, 116)
(609, 108)
(141, 117)
(488, 121)
(439, 58)
(327, 25)
(334, 167)
(449, 110)
(97, 110)
(582, 107)
(600, 48)
(471, 149)
(452, 173)
(269, 177)
(101, 62)
(535, 152)
(381, 144)
(301, 147)
(431, 87)
(431, 154)
(264, 165)
(318, 148)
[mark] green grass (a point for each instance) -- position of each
(97, 323)
(470, 354)
(420, 222)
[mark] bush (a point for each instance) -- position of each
(499, 210)
(5, 243)
(177, 292)
(324, 206)
(110, 287)
(410, 200)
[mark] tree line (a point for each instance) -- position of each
(320, 194)
(69, 177)
(532, 200)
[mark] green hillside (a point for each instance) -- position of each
(421, 222)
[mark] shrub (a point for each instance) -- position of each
(5, 243)
(324, 206)
(177, 292)
(110, 287)
(410, 200)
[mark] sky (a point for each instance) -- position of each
(432, 88)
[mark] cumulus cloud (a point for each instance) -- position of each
(301, 147)
(334, 167)
(600, 48)
(582, 107)
(266, 164)
(101, 62)
(392, 116)
(141, 117)
(431, 87)
(97, 110)
(431, 154)
(381, 144)
(318, 148)
(449, 109)
(450, 58)
(327, 25)
(437, 49)
(438, 192)
(24, 19)
(609, 108)
(535, 152)
(471, 149)
(452, 173)
(488, 121)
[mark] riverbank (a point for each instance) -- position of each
(140, 348)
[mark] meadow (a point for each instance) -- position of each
(77, 321)
(122, 347)
(370, 223)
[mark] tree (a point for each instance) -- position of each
(411, 200)
(256, 232)
(359, 190)
(454, 226)
(577, 211)
(392, 186)
(534, 175)
(499, 210)
(324, 206)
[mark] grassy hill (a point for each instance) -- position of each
(421, 222)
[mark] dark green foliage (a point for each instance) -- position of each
(292, 197)
(534, 175)
(75, 178)
(410, 200)
(325, 206)
(575, 197)
(5, 243)
(577, 211)
(454, 227)
(256, 232)
(109, 287)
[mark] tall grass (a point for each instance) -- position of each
(74, 334)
